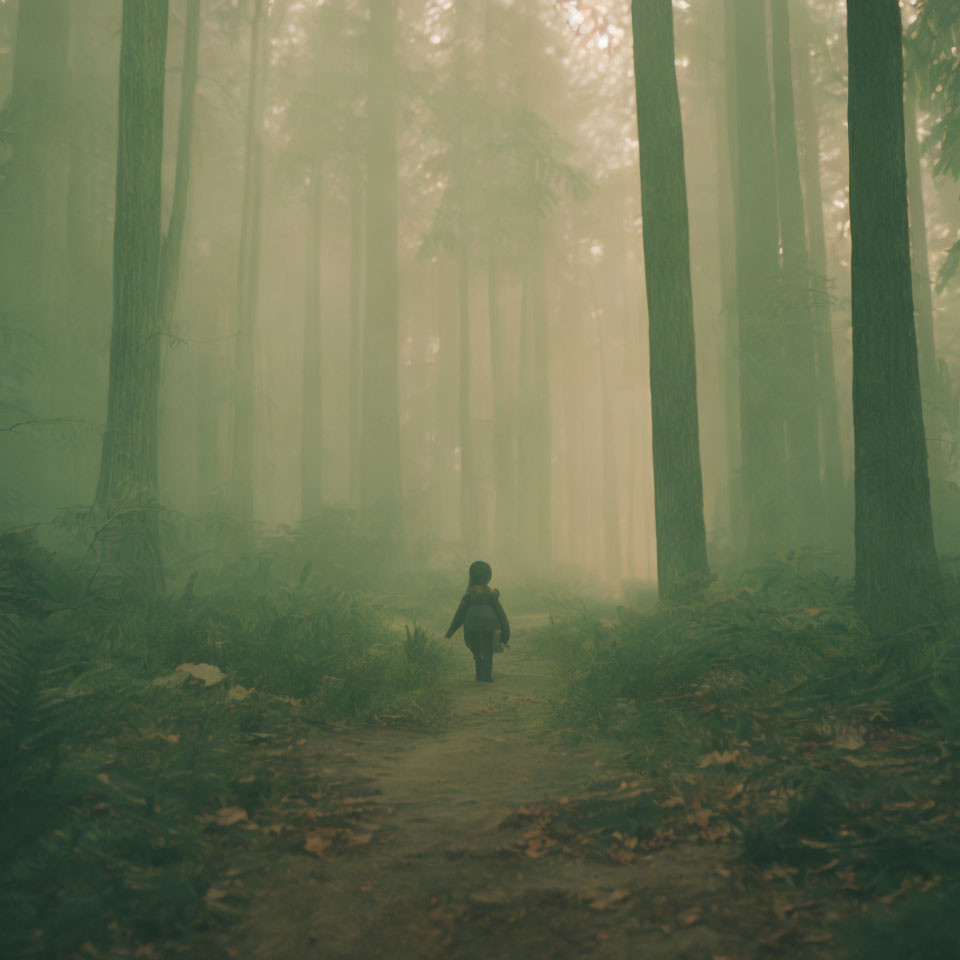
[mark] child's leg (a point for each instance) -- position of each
(487, 656)
(476, 648)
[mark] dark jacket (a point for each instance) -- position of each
(480, 611)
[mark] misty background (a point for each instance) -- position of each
(522, 353)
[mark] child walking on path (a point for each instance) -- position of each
(481, 615)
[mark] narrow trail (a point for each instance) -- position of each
(441, 872)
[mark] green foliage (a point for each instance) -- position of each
(931, 47)
(827, 752)
(113, 762)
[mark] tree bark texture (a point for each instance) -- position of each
(381, 421)
(762, 443)
(897, 578)
(127, 489)
(678, 484)
(800, 384)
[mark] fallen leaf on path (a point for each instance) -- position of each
(228, 816)
(356, 839)
(690, 917)
(490, 897)
(317, 843)
(718, 757)
(611, 900)
(621, 855)
(206, 672)
(700, 817)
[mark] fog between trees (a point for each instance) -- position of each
(389, 259)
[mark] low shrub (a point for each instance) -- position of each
(127, 720)
(765, 713)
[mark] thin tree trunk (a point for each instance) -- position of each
(678, 484)
(503, 524)
(798, 322)
(208, 440)
(922, 289)
(611, 496)
(762, 447)
(897, 576)
(725, 114)
(127, 490)
(36, 118)
(381, 463)
(248, 280)
(526, 429)
(468, 498)
(356, 331)
(311, 439)
(469, 502)
(446, 409)
(832, 450)
(171, 253)
(541, 444)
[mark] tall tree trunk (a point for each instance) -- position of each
(922, 289)
(611, 496)
(801, 384)
(504, 493)
(831, 448)
(446, 410)
(897, 576)
(678, 484)
(541, 441)
(36, 118)
(171, 252)
(725, 114)
(248, 279)
(503, 499)
(311, 440)
(208, 434)
(381, 464)
(469, 503)
(762, 447)
(356, 330)
(526, 428)
(127, 490)
(468, 497)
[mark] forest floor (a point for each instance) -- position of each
(435, 845)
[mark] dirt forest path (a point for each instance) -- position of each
(443, 867)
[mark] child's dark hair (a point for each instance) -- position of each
(480, 573)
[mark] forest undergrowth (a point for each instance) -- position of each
(764, 717)
(143, 736)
